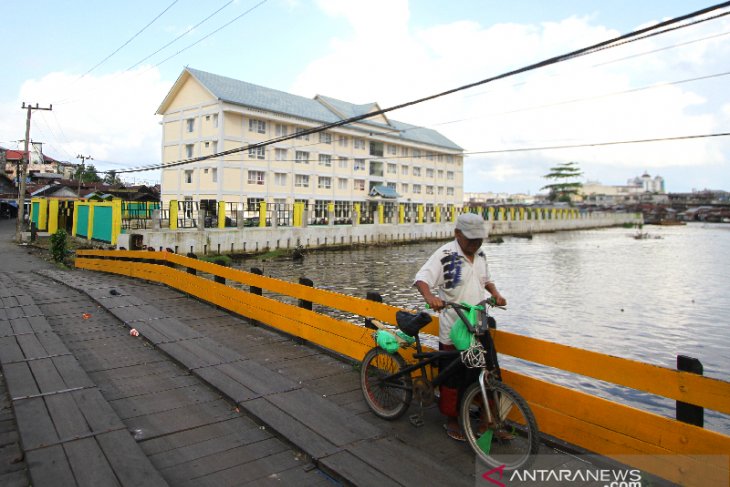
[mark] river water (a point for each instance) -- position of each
(646, 299)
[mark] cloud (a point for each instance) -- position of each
(576, 102)
(110, 117)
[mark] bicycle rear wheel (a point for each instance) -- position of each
(511, 438)
(389, 398)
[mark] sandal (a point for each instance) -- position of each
(454, 432)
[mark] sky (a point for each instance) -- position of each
(105, 67)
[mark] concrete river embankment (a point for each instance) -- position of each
(258, 239)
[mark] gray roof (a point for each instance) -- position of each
(247, 94)
(384, 191)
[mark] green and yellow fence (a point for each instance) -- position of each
(671, 449)
(98, 220)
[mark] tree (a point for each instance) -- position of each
(112, 179)
(564, 186)
(88, 175)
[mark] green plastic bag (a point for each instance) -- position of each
(460, 335)
(386, 341)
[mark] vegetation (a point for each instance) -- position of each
(59, 245)
(565, 185)
(112, 179)
(88, 175)
(217, 259)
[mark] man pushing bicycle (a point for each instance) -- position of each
(459, 272)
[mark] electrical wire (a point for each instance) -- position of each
(129, 40)
(620, 40)
(180, 36)
(599, 144)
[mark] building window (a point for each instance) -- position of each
(325, 160)
(253, 204)
(391, 186)
(449, 159)
(416, 171)
(404, 188)
(358, 143)
(441, 174)
(429, 189)
(429, 173)
(257, 153)
(358, 185)
(298, 131)
(258, 126)
(301, 157)
(450, 175)
(256, 177)
(282, 130)
(392, 169)
(301, 181)
(190, 125)
(188, 176)
(392, 149)
(215, 120)
(449, 191)
(441, 190)
(342, 162)
(416, 189)
(416, 153)
(429, 156)
(189, 150)
(404, 151)
(343, 141)
(214, 175)
(342, 183)
(359, 165)
(280, 179)
(325, 137)
(404, 170)
(280, 154)
(324, 182)
(376, 149)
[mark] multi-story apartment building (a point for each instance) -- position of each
(374, 160)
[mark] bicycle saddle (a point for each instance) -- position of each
(411, 323)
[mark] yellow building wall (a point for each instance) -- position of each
(231, 179)
(191, 93)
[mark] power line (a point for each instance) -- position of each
(129, 40)
(599, 144)
(215, 31)
(180, 36)
(541, 64)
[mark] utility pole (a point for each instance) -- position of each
(23, 170)
(81, 173)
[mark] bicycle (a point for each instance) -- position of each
(504, 433)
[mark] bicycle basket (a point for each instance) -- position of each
(386, 341)
(475, 356)
(411, 323)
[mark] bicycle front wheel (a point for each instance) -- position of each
(508, 434)
(389, 398)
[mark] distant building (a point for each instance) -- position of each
(637, 190)
(376, 159)
(39, 165)
(647, 184)
(490, 198)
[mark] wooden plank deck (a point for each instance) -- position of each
(182, 428)
(204, 397)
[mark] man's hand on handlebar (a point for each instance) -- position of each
(435, 303)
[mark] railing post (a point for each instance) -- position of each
(689, 413)
(190, 269)
(255, 290)
(374, 296)
(302, 303)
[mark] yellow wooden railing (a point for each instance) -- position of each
(674, 450)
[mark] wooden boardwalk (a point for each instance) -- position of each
(200, 398)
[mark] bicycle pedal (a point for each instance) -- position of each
(416, 420)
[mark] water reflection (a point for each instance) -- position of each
(648, 300)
